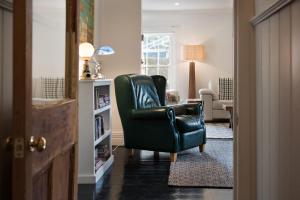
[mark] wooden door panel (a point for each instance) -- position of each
(50, 174)
(61, 173)
(56, 124)
(54, 181)
(41, 183)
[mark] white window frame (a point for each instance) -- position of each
(172, 65)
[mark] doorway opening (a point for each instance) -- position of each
(210, 26)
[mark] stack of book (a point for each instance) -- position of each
(102, 154)
(107, 99)
(101, 96)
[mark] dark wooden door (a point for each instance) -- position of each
(5, 94)
(44, 135)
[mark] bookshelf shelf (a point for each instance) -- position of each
(100, 110)
(95, 151)
(103, 137)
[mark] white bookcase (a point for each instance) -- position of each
(95, 150)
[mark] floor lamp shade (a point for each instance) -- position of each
(193, 53)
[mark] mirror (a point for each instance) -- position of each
(48, 50)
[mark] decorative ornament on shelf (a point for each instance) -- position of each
(193, 53)
(100, 51)
(86, 51)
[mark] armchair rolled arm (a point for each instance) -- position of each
(208, 92)
(189, 108)
(153, 113)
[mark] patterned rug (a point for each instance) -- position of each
(212, 168)
(218, 130)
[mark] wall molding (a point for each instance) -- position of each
(7, 5)
(268, 12)
(117, 138)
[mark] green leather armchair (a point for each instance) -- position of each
(149, 124)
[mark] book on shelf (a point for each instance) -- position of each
(99, 126)
(101, 98)
(101, 155)
(102, 152)
(98, 163)
(102, 125)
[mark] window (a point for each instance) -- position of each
(157, 54)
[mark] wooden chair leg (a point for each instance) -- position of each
(201, 147)
(131, 152)
(173, 157)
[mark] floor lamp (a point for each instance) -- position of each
(193, 53)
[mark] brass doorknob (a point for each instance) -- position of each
(37, 143)
(9, 143)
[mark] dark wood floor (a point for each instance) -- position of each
(144, 177)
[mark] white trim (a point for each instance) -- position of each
(93, 178)
(7, 5)
(172, 66)
(245, 159)
(272, 9)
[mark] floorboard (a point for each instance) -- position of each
(144, 177)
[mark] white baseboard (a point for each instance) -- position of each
(117, 138)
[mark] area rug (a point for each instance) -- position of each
(218, 130)
(212, 168)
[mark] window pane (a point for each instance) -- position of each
(151, 58)
(156, 54)
(164, 72)
(152, 71)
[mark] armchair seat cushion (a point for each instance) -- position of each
(188, 123)
(218, 105)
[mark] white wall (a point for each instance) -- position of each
(212, 28)
(48, 38)
(118, 23)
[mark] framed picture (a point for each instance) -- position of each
(86, 21)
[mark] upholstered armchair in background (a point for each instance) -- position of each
(214, 102)
(149, 124)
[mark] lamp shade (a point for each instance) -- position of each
(193, 53)
(86, 50)
(104, 50)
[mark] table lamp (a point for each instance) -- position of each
(86, 51)
(193, 53)
(101, 51)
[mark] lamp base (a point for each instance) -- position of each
(192, 84)
(86, 74)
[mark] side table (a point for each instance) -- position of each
(229, 108)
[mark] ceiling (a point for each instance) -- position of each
(186, 4)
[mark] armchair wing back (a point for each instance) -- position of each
(150, 125)
(144, 92)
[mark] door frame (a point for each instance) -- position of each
(245, 92)
(22, 86)
(245, 185)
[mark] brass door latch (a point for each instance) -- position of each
(17, 145)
